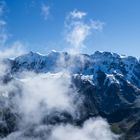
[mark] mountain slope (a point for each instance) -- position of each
(106, 83)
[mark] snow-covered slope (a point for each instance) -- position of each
(110, 63)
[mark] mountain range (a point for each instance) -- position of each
(107, 84)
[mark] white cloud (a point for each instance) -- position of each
(77, 36)
(93, 129)
(52, 90)
(15, 49)
(77, 14)
(78, 29)
(45, 11)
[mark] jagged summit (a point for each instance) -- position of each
(96, 55)
(109, 63)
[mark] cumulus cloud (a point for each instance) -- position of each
(78, 29)
(52, 90)
(45, 11)
(92, 129)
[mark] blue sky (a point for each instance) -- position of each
(40, 24)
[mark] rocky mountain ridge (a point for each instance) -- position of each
(109, 84)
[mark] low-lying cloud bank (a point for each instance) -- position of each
(43, 93)
(92, 129)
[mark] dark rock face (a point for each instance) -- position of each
(111, 92)
(114, 100)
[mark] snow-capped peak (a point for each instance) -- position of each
(108, 62)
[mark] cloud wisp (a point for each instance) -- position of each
(77, 14)
(3, 31)
(15, 50)
(45, 11)
(77, 29)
